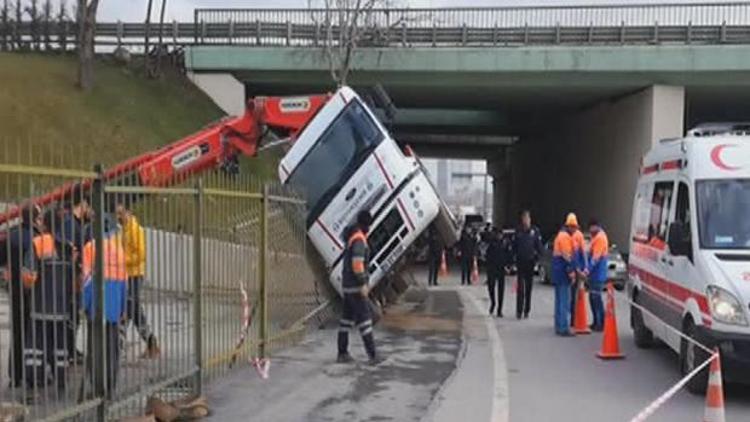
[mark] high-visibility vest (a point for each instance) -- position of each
(114, 259)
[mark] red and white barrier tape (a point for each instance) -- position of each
(656, 404)
(245, 325)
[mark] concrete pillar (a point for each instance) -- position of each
(224, 89)
(587, 162)
(498, 167)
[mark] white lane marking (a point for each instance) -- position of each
(500, 403)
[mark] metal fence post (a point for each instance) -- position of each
(197, 286)
(263, 269)
(98, 342)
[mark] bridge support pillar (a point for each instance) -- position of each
(588, 161)
(224, 89)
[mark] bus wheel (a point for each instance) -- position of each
(692, 356)
(644, 338)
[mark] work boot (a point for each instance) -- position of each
(344, 358)
(152, 349)
(492, 309)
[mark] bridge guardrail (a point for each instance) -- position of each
(698, 23)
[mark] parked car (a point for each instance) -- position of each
(617, 268)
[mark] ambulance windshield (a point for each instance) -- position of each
(724, 213)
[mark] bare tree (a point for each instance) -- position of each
(348, 25)
(16, 27)
(147, 37)
(154, 71)
(62, 22)
(33, 11)
(4, 26)
(46, 23)
(86, 33)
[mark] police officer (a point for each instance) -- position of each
(49, 277)
(355, 288)
(499, 257)
(527, 249)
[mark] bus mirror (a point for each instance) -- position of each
(679, 239)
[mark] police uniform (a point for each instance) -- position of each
(527, 248)
(50, 280)
(356, 310)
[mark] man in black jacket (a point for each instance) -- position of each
(499, 257)
(527, 248)
(468, 247)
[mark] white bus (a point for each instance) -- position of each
(345, 161)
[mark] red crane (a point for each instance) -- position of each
(216, 146)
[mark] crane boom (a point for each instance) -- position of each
(216, 146)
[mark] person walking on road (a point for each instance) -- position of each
(527, 249)
(563, 275)
(597, 272)
(498, 259)
(134, 245)
(579, 260)
(356, 288)
(467, 246)
(434, 255)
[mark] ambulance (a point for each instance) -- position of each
(689, 261)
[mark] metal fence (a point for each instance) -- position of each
(685, 23)
(209, 241)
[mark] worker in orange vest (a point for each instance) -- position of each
(115, 296)
(579, 260)
(597, 272)
(563, 275)
(48, 275)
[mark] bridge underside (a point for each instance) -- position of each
(562, 128)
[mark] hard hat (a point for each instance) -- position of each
(571, 220)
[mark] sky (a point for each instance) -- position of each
(182, 10)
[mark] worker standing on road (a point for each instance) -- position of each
(467, 247)
(356, 288)
(115, 294)
(563, 275)
(597, 272)
(48, 274)
(527, 249)
(499, 257)
(579, 260)
(434, 255)
(134, 244)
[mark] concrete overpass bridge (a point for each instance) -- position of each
(561, 101)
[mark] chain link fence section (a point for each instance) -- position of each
(208, 241)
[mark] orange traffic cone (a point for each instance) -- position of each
(610, 340)
(443, 266)
(581, 322)
(475, 272)
(714, 393)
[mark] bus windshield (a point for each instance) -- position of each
(723, 209)
(335, 156)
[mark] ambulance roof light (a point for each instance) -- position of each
(720, 128)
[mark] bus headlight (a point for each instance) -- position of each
(725, 307)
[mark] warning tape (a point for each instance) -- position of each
(656, 404)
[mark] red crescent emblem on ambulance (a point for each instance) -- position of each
(716, 157)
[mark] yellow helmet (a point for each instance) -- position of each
(571, 220)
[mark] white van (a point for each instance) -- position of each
(690, 248)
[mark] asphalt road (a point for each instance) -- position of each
(560, 379)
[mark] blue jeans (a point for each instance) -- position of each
(562, 307)
(597, 304)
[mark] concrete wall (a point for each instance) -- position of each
(587, 162)
(224, 89)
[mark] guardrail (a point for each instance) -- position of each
(698, 23)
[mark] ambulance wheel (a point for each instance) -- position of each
(644, 338)
(692, 356)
